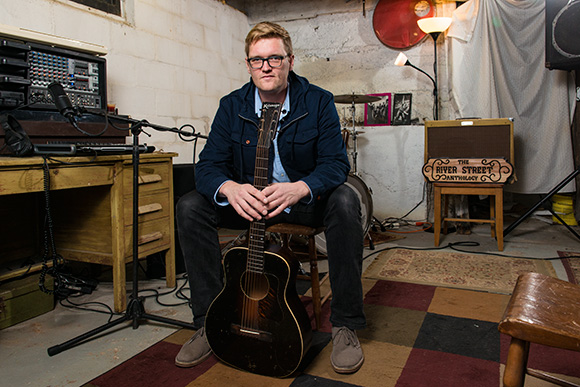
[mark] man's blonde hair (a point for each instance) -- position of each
(265, 30)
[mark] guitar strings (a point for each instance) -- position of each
(254, 265)
(255, 258)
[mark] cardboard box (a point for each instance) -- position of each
(22, 299)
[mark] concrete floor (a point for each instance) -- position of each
(23, 356)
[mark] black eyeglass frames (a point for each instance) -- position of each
(274, 61)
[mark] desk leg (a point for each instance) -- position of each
(437, 213)
(170, 267)
(170, 254)
(118, 242)
(119, 285)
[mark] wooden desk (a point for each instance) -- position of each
(91, 207)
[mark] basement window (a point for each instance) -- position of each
(110, 6)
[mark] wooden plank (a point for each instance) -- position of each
(492, 221)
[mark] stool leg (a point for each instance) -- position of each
(492, 215)
(314, 280)
(445, 213)
(499, 218)
(516, 364)
(285, 240)
(437, 214)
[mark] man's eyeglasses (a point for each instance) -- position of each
(274, 61)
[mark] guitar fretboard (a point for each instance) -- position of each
(267, 131)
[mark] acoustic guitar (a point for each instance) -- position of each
(257, 323)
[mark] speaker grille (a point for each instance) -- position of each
(481, 139)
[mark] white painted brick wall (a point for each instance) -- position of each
(169, 63)
(172, 61)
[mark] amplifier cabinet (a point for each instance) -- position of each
(470, 138)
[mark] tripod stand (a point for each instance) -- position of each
(555, 190)
(135, 310)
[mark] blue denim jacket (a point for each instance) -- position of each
(310, 144)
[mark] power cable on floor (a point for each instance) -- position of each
(178, 291)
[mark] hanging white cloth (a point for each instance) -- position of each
(497, 71)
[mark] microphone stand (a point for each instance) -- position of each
(135, 310)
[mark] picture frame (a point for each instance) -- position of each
(402, 104)
(378, 113)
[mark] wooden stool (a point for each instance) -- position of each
(495, 193)
(542, 310)
(287, 229)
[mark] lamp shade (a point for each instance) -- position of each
(434, 24)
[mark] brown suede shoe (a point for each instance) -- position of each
(195, 351)
(347, 355)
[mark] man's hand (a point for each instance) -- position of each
(249, 202)
(280, 196)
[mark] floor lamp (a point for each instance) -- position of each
(433, 26)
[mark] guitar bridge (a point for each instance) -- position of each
(253, 333)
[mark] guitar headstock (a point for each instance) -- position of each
(269, 123)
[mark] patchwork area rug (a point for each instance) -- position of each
(454, 269)
(417, 336)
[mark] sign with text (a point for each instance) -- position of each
(443, 170)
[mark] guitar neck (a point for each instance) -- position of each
(257, 232)
(261, 168)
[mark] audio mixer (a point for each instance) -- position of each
(27, 68)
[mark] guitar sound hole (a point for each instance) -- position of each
(254, 285)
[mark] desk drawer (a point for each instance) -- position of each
(151, 207)
(32, 180)
(154, 236)
(152, 177)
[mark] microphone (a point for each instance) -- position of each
(62, 102)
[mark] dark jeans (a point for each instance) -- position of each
(197, 223)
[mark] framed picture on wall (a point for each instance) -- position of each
(378, 113)
(402, 109)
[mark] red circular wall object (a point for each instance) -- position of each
(395, 21)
